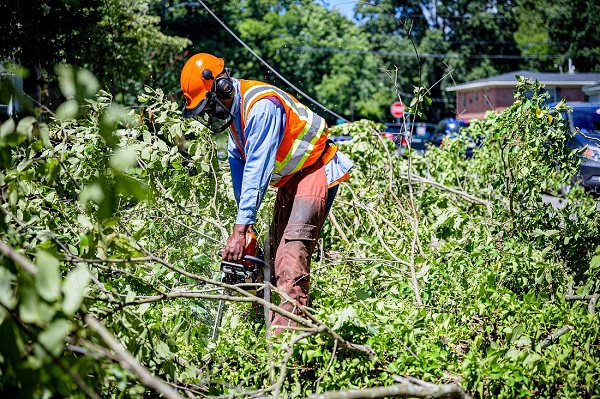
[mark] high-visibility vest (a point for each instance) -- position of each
(305, 133)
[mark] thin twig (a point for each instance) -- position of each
(333, 351)
(463, 194)
(337, 226)
(289, 352)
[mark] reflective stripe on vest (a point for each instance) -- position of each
(305, 132)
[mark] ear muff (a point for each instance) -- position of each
(223, 86)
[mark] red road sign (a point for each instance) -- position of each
(397, 109)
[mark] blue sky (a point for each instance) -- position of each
(345, 6)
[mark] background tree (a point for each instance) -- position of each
(118, 40)
(317, 50)
(533, 38)
(572, 28)
(320, 51)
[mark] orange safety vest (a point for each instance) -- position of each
(305, 133)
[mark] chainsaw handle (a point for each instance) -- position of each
(250, 258)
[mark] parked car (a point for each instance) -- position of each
(339, 140)
(400, 133)
(447, 127)
(584, 123)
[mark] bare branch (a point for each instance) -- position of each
(19, 259)
(461, 193)
(555, 335)
(592, 298)
(128, 361)
(596, 139)
(408, 388)
(337, 226)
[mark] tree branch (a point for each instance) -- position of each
(407, 388)
(555, 335)
(463, 194)
(128, 361)
(16, 257)
(592, 298)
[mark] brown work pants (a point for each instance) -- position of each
(295, 228)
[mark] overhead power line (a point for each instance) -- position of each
(424, 55)
(266, 64)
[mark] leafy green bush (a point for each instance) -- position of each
(443, 268)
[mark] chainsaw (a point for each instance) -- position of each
(250, 270)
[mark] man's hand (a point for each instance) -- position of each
(234, 249)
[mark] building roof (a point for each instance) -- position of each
(547, 78)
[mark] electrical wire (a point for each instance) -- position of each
(267, 65)
(425, 55)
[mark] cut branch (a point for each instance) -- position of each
(128, 361)
(408, 388)
(16, 257)
(463, 194)
(555, 336)
(592, 298)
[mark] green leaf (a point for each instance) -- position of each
(595, 262)
(26, 126)
(162, 349)
(143, 308)
(348, 315)
(516, 333)
(53, 338)
(7, 280)
(532, 359)
(130, 187)
(130, 296)
(275, 298)
(44, 134)
(7, 128)
(361, 294)
(47, 280)
(29, 301)
(122, 159)
(73, 289)
(87, 84)
(67, 110)
(67, 80)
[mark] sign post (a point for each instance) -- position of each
(397, 109)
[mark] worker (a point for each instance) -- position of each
(276, 140)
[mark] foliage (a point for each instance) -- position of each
(117, 214)
(573, 34)
(343, 64)
(119, 41)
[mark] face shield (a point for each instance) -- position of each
(213, 114)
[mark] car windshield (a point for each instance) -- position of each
(587, 120)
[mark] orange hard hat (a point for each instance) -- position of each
(197, 78)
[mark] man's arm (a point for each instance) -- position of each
(236, 165)
(264, 133)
